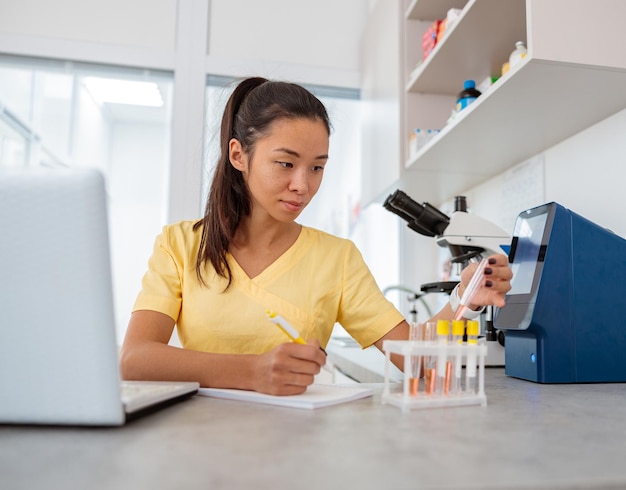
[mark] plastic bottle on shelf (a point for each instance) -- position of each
(429, 135)
(468, 95)
(417, 140)
(518, 54)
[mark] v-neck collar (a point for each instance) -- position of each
(276, 268)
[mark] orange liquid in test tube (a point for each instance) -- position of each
(448, 377)
(430, 376)
(416, 334)
(430, 362)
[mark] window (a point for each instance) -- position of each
(63, 114)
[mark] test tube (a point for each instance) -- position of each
(470, 367)
(471, 289)
(416, 334)
(430, 362)
(444, 366)
(458, 328)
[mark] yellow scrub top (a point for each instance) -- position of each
(320, 280)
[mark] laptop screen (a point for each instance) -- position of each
(58, 354)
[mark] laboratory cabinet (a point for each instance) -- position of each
(573, 76)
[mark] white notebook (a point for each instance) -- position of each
(316, 396)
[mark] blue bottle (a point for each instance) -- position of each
(468, 95)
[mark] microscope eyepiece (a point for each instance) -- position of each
(422, 218)
(460, 204)
(393, 204)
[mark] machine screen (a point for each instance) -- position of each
(529, 248)
(527, 252)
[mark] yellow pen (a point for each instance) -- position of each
(285, 326)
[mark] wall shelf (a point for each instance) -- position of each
(469, 50)
(431, 9)
(529, 110)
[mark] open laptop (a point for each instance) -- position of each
(58, 349)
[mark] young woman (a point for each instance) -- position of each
(215, 279)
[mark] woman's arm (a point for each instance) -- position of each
(285, 370)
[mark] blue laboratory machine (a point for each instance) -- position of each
(563, 317)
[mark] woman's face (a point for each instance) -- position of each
(286, 168)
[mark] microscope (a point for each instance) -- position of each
(467, 236)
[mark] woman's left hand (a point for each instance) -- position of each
(496, 283)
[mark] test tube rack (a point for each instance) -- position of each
(471, 356)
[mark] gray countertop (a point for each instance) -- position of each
(528, 436)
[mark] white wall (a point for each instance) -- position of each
(285, 34)
(115, 22)
(587, 173)
(584, 173)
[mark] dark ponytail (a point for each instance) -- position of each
(253, 106)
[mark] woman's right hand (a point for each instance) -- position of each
(289, 368)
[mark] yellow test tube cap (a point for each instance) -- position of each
(443, 327)
(458, 327)
(472, 328)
